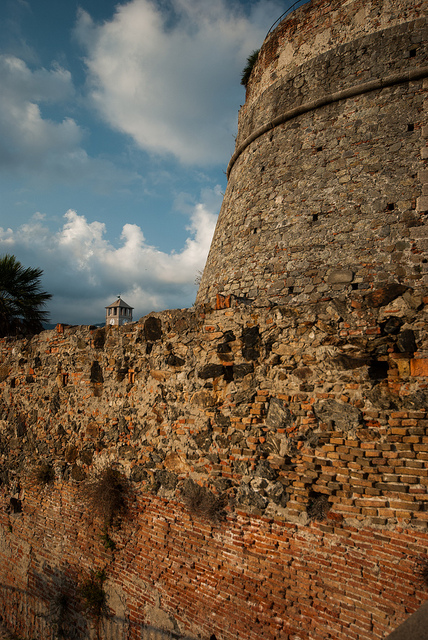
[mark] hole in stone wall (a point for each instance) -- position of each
(410, 126)
(319, 148)
(390, 206)
(318, 506)
(314, 217)
(354, 285)
(290, 289)
(262, 169)
(378, 370)
(412, 53)
(254, 231)
(228, 374)
(15, 505)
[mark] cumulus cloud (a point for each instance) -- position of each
(36, 145)
(84, 271)
(169, 78)
(24, 134)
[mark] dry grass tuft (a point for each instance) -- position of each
(202, 502)
(422, 569)
(43, 473)
(106, 496)
(93, 595)
(318, 506)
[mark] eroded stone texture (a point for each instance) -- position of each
(329, 200)
(322, 434)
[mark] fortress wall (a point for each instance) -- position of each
(296, 390)
(310, 421)
(322, 26)
(335, 190)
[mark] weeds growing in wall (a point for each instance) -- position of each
(318, 506)
(202, 502)
(251, 61)
(43, 474)
(94, 597)
(422, 570)
(106, 496)
(106, 540)
(60, 607)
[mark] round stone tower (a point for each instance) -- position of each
(328, 184)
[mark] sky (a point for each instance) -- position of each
(117, 122)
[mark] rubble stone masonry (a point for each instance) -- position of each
(272, 442)
(328, 182)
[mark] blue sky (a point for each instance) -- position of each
(117, 121)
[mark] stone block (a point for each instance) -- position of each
(422, 201)
(381, 297)
(340, 276)
(342, 417)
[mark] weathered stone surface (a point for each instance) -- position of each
(174, 361)
(342, 417)
(99, 338)
(350, 362)
(406, 341)
(153, 329)
(340, 276)
(278, 415)
(242, 370)
(4, 372)
(96, 372)
(211, 371)
(392, 325)
(203, 398)
(319, 215)
(381, 297)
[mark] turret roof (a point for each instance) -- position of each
(119, 303)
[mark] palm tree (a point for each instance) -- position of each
(21, 298)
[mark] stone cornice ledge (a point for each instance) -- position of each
(379, 83)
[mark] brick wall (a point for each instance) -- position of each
(310, 424)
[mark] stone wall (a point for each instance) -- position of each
(269, 445)
(307, 428)
(328, 182)
(321, 27)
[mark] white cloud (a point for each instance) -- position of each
(34, 145)
(84, 271)
(170, 79)
(25, 136)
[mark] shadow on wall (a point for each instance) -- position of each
(60, 613)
